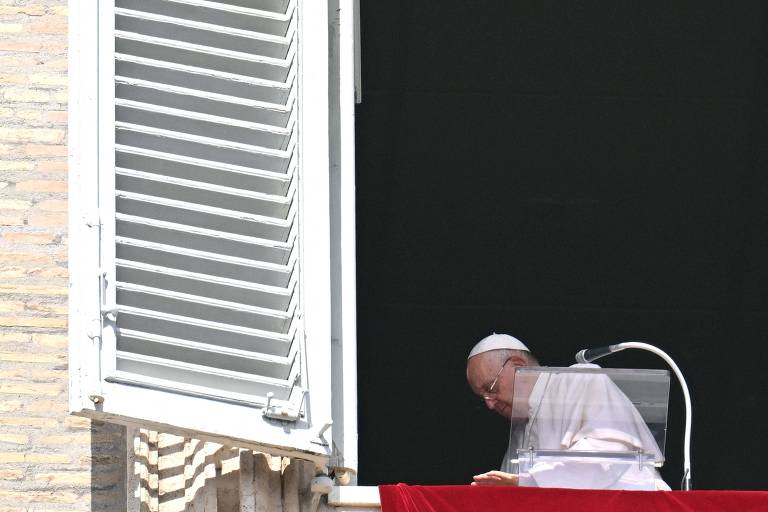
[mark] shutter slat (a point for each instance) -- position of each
(202, 376)
(206, 56)
(230, 192)
(188, 214)
(177, 18)
(131, 84)
(237, 294)
(276, 366)
(201, 239)
(206, 354)
(206, 125)
(177, 52)
(195, 146)
(203, 171)
(195, 329)
(218, 265)
(175, 303)
(204, 79)
(273, 22)
(267, 209)
(256, 150)
(189, 389)
(276, 6)
(228, 107)
(197, 215)
(207, 281)
(203, 34)
(222, 236)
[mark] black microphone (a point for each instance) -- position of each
(588, 355)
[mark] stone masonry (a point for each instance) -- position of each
(48, 459)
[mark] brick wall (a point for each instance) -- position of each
(48, 460)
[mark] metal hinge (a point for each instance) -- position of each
(277, 412)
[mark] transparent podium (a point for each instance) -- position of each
(586, 427)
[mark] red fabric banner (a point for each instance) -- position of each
(466, 498)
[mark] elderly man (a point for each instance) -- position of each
(566, 400)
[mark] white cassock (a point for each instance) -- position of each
(583, 412)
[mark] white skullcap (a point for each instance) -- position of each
(497, 342)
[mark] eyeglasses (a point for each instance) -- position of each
(489, 393)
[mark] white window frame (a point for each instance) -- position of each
(345, 73)
(329, 364)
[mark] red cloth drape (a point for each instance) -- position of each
(466, 498)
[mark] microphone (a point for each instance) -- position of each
(588, 355)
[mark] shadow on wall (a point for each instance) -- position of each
(173, 473)
(107, 461)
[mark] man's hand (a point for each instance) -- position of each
(495, 478)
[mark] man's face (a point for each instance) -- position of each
(482, 370)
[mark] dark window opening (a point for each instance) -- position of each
(572, 175)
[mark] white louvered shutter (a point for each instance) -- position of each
(212, 222)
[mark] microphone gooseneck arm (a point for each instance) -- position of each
(589, 355)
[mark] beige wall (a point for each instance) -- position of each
(48, 460)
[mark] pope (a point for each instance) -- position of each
(568, 411)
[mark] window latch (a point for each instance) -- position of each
(96, 325)
(92, 221)
(108, 311)
(320, 439)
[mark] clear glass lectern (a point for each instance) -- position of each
(588, 427)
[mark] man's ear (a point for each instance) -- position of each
(519, 360)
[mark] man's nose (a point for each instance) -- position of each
(490, 403)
